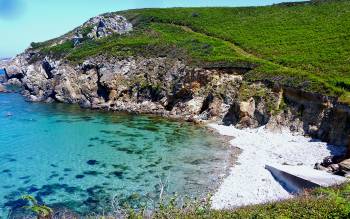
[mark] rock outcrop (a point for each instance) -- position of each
(169, 87)
(101, 26)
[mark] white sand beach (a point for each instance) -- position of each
(249, 182)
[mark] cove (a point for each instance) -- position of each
(80, 159)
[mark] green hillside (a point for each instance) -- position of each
(306, 46)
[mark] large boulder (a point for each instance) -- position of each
(102, 26)
(345, 165)
(16, 67)
(13, 82)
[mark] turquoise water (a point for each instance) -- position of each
(80, 159)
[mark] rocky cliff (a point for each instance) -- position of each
(170, 87)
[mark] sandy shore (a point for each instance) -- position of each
(249, 182)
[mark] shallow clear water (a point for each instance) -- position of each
(80, 159)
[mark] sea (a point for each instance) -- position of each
(87, 161)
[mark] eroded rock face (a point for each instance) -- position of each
(169, 87)
(101, 26)
(153, 85)
(15, 68)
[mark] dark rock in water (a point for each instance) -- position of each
(197, 162)
(92, 162)
(91, 201)
(8, 187)
(32, 189)
(120, 166)
(167, 167)
(92, 173)
(71, 189)
(24, 177)
(118, 174)
(16, 204)
(53, 176)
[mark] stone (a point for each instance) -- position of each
(334, 167)
(327, 161)
(318, 166)
(14, 82)
(347, 174)
(344, 165)
(104, 25)
(247, 108)
(14, 71)
(2, 88)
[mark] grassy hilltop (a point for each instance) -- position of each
(303, 45)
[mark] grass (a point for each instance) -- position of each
(320, 203)
(304, 46)
(333, 202)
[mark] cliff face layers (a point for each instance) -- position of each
(169, 87)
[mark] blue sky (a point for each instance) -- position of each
(26, 21)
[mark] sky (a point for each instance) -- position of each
(26, 21)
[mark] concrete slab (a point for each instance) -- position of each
(298, 178)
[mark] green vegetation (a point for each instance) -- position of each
(41, 211)
(320, 203)
(59, 49)
(304, 45)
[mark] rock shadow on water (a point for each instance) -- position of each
(92, 162)
(79, 176)
(118, 174)
(92, 173)
(94, 139)
(122, 167)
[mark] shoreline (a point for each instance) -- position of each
(248, 182)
